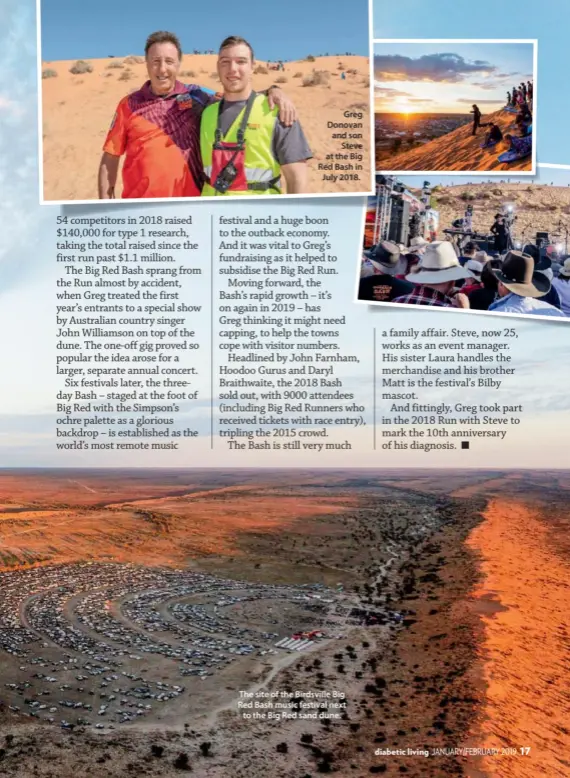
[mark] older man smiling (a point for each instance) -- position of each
(156, 128)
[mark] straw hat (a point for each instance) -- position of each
(565, 269)
(474, 266)
(439, 264)
(518, 275)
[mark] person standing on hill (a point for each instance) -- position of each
(476, 118)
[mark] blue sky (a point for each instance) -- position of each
(546, 20)
(292, 30)
(448, 77)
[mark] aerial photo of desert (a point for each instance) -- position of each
(322, 88)
(422, 612)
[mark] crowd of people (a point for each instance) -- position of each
(526, 281)
(521, 95)
(519, 137)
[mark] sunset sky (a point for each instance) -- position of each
(447, 77)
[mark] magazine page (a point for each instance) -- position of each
(284, 482)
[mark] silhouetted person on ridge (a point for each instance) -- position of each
(476, 119)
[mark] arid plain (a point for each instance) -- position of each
(138, 604)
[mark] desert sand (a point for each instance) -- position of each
(459, 150)
(471, 561)
(537, 207)
(77, 111)
(523, 601)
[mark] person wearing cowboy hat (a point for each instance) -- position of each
(378, 276)
(562, 286)
(520, 286)
(543, 264)
(436, 277)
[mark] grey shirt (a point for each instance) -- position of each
(288, 144)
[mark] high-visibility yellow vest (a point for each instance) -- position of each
(261, 168)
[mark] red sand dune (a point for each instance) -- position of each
(459, 150)
(523, 599)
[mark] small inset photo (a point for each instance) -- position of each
(455, 105)
(452, 244)
(203, 100)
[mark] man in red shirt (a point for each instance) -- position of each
(157, 128)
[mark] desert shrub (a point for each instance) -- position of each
(352, 72)
(81, 67)
(317, 78)
(49, 73)
(340, 66)
(214, 77)
(281, 80)
(115, 65)
(182, 762)
(498, 192)
(133, 60)
(188, 73)
(261, 69)
(467, 196)
(310, 58)
(126, 75)
(298, 75)
(366, 82)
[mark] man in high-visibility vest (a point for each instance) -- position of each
(245, 148)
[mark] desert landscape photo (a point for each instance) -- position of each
(537, 206)
(141, 606)
(454, 105)
(323, 68)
